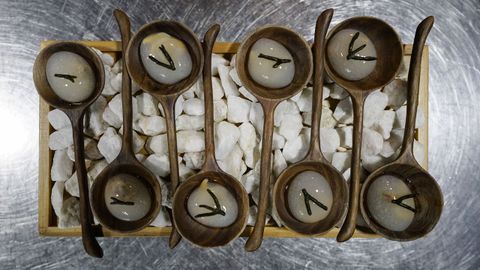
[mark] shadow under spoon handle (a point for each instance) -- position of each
(348, 227)
(421, 34)
(86, 218)
(255, 239)
(323, 21)
(124, 26)
(208, 42)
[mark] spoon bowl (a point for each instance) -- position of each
(75, 112)
(166, 94)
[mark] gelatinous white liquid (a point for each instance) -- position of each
(176, 49)
(127, 188)
(337, 52)
(71, 64)
(262, 71)
(379, 197)
(317, 186)
(200, 196)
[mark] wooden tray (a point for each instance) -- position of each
(47, 224)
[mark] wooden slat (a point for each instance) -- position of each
(46, 218)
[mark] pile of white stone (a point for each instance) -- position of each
(238, 130)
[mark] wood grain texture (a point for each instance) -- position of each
(47, 223)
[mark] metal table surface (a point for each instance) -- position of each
(454, 142)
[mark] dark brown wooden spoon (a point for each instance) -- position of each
(428, 196)
(314, 161)
(187, 226)
(389, 57)
(269, 99)
(166, 94)
(75, 112)
(125, 162)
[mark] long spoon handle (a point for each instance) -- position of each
(255, 239)
(413, 84)
(86, 218)
(348, 227)
(124, 25)
(208, 42)
(321, 28)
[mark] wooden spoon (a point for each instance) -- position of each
(75, 112)
(389, 57)
(269, 99)
(314, 161)
(429, 199)
(166, 94)
(125, 162)
(187, 226)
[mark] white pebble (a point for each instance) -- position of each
(346, 137)
(337, 92)
(189, 94)
(194, 160)
(251, 156)
(71, 185)
(233, 164)
(111, 118)
(248, 137)
(147, 104)
(327, 121)
(95, 125)
(190, 141)
(162, 219)
(56, 197)
(295, 150)
(371, 163)
(285, 107)
(217, 89)
(401, 116)
(226, 137)
(256, 117)
(341, 160)
(279, 163)
(157, 144)
(234, 76)
(96, 168)
(159, 164)
(344, 111)
(247, 94)
(90, 150)
(374, 106)
(250, 181)
(372, 142)
(184, 172)
(152, 125)
(396, 92)
(190, 122)
(228, 84)
(194, 106)
(60, 139)
(116, 82)
(384, 124)
(329, 140)
(178, 106)
(278, 141)
(418, 151)
(107, 88)
(109, 144)
(118, 66)
(304, 102)
(58, 119)
(70, 213)
(219, 110)
(138, 142)
(238, 109)
(218, 60)
(290, 126)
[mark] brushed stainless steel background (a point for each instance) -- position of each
(454, 139)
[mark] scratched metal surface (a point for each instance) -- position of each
(454, 141)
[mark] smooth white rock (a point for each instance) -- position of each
(140, 157)
(384, 124)
(372, 142)
(307, 118)
(247, 94)
(278, 141)
(138, 142)
(118, 66)
(111, 118)
(285, 107)
(62, 166)
(346, 174)
(329, 140)
(304, 101)
(248, 137)
(159, 164)
(371, 163)
(162, 219)
(116, 106)
(250, 181)
(197, 88)
(95, 126)
(60, 139)
(238, 109)
(218, 60)
(70, 213)
(341, 160)
(346, 136)
(190, 141)
(157, 144)
(194, 160)
(226, 137)
(337, 92)
(327, 121)
(232, 61)
(108, 90)
(219, 110)
(147, 104)
(106, 58)
(189, 94)
(256, 117)
(401, 117)
(418, 151)
(178, 106)
(396, 92)
(404, 67)
(344, 111)
(234, 76)
(190, 122)
(233, 164)
(194, 106)
(152, 125)
(251, 156)
(374, 106)
(71, 185)
(56, 198)
(252, 213)
(326, 92)
(96, 168)
(58, 119)
(295, 150)
(116, 82)
(184, 172)
(387, 149)
(90, 150)
(290, 126)
(228, 84)
(279, 162)
(217, 89)
(109, 144)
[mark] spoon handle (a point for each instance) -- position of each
(86, 218)
(124, 25)
(348, 227)
(255, 239)
(413, 84)
(208, 42)
(323, 21)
